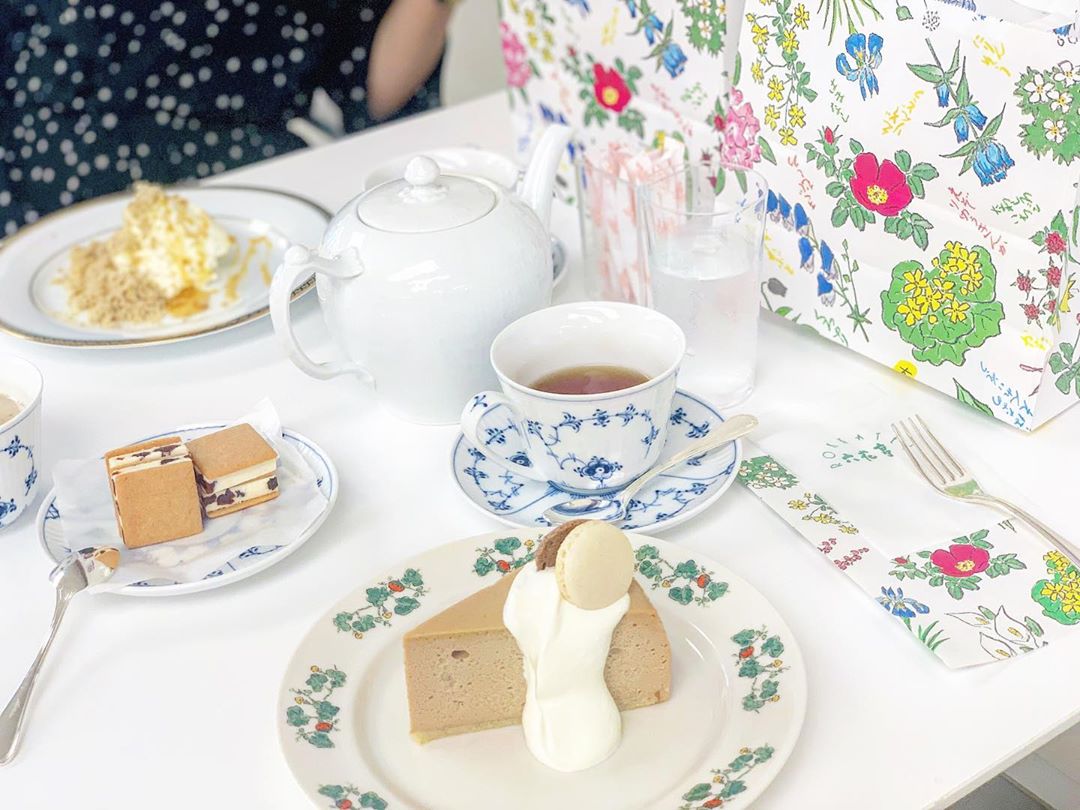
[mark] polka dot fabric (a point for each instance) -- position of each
(97, 94)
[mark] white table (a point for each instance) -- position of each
(172, 703)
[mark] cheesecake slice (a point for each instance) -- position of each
(463, 669)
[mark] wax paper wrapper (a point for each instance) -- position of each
(84, 500)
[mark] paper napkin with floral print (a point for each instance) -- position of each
(968, 583)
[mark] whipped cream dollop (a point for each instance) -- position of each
(570, 720)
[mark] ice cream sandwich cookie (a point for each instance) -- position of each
(235, 468)
(154, 492)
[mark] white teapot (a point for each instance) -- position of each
(416, 276)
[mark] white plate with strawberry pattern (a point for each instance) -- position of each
(738, 696)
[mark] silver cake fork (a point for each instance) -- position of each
(948, 476)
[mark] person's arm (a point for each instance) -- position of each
(408, 43)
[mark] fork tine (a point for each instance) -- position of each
(957, 466)
(904, 443)
(929, 446)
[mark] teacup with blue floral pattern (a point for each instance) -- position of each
(582, 443)
(21, 381)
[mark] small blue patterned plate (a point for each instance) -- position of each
(248, 560)
(672, 498)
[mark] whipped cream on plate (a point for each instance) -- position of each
(570, 720)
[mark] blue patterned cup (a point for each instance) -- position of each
(19, 436)
(581, 443)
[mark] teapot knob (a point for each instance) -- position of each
(421, 171)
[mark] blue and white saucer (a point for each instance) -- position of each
(673, 497)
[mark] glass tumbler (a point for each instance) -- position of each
(704, 227)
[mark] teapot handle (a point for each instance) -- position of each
(299, 262)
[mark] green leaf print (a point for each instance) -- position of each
(412, 578)
(320, 739)
(647, 553)
(744, 637)
(325, 710)
(698, 792)
(483, 566)
(373, 801)
(316, 681)
(507, 545)
(363, 624)
(406, 605)
(686, 569)
(966, 397)
(377, 596)
(716, 589)
(684, 596)
(773, 646)
(333, 791)
(296, 716)
(649, 569)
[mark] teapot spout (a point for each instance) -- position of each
(539, 182)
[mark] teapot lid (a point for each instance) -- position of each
(425, 200)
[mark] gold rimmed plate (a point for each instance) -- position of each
(263, 222)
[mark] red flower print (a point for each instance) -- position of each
(324, 726)
(830, 136)
(718, 123)
(900, 560)
(714, 802)
(746, 652)
(396, 586)
(1031, 311)
(1051, 305)
(344, 804)
(1023, 282)
(961, 561)
(1055, 243)
(503, 566)
(703, 580)
(610, 89)
(1053, 275)
(518, 70)
(882, 188)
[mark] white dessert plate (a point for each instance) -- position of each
(738, 697)
(671, 498)
(264, 223)
(250, 558)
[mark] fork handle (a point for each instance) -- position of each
(1052, 537)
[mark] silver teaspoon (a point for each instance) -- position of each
(613, 508)
(82, 570)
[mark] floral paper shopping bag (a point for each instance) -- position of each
(924, 191)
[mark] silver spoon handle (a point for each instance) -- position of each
(11, 719)
(731, 428)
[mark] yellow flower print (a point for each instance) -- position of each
(847, 528)
(790, 42)
(796, 116)
(802, 16)
(787, 136)
(915, 282)
(823, 517)
(964, 263)
(548, 38)
(514, 7)
(957, 310)
(776, 89)
(760, 35)
(750, 18)
(772, 115)
(1053, 590)
(913, 309)
(532, 39)
(944, 286)
(972, 279)
(756, 72)
(530, 18)
(1070, 601)
(547, 56)
(797, 504)
(1057, 560)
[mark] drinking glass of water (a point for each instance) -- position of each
(704, 227)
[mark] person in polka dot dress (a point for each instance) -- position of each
(100, 93)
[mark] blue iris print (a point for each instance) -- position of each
(866, 53)
(674, 60)
(897, 604)
(992, 162)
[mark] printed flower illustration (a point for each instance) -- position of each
(923, 305)
(969, 118)
(894, 601)
(866, 55)
(961, 560)
(1055, 130)
(882, 188)
(1055, 243)
(740, 146)
(802, 16)
(992, 162)
(673, 59)
(1049, 97)
(518, 70)
(1038, 88)
(599, 469)
(610, 89)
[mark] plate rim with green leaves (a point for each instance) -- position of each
(342, 718)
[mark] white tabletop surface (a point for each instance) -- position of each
(172, 703)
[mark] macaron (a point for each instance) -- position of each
(594, 565)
